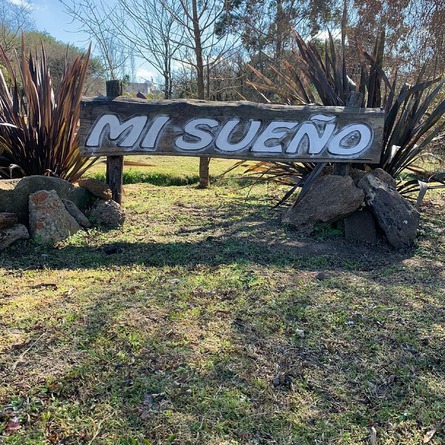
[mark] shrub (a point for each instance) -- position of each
(413, 113)
(38, 127)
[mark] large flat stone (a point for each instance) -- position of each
(331, 198)
(14, 193)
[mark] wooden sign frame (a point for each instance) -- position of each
(114, 126)
(237, 130)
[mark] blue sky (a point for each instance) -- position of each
(49, 16)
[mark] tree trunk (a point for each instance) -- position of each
(279, 23)
(166, 86)
(204, 175)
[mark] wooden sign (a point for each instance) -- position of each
(239, 130)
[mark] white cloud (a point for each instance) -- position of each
(22, 3)
(143, 74)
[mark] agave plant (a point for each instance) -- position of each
(38, 127)
(413, 114)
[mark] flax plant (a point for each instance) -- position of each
(414, 113)
(38, 126)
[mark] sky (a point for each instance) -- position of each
(49, 16)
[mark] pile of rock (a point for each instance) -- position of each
(365, 201)
(49, 209)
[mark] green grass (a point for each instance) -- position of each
(210, 323)
(165, 170)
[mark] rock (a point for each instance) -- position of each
(331, 198)
(96, 188)
(75, 212)
(384, 177)
(356, 174)
(107, 213)
(7, 219)
(49, 221)
(14, 193)
(12, 234)
(360, 227)
(398, 219)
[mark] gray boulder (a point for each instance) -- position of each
(385, 177)
(107, 213)
(357, 175)
(49, 221)
(14, 193)
(331, 198)
(75, 212)
(7, 219)
(398, 219)
(12, 234)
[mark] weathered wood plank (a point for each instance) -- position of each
(239, 130)
(115, 164)
(115, 169)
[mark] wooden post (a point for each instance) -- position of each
(115, 164)
(354, 101)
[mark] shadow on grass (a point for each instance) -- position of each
(212, 251)
(262, 363)
(216, 236)
(228, 333)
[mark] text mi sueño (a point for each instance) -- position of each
(318, 134)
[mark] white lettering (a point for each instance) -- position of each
(275, 130)
(223, 143)
(193, 130)
(151, 138)
(128, 132)
(351, 140)
(308, 137)
(319, 135)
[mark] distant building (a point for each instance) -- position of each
(133, 88)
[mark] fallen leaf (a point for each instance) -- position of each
(429, 435)
(13, 425)
(373, 438)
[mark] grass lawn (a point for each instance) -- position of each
(204, 321)
(163, 170)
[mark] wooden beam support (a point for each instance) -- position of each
(115, 164)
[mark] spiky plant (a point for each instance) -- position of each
(38, 127)
(413, 113)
